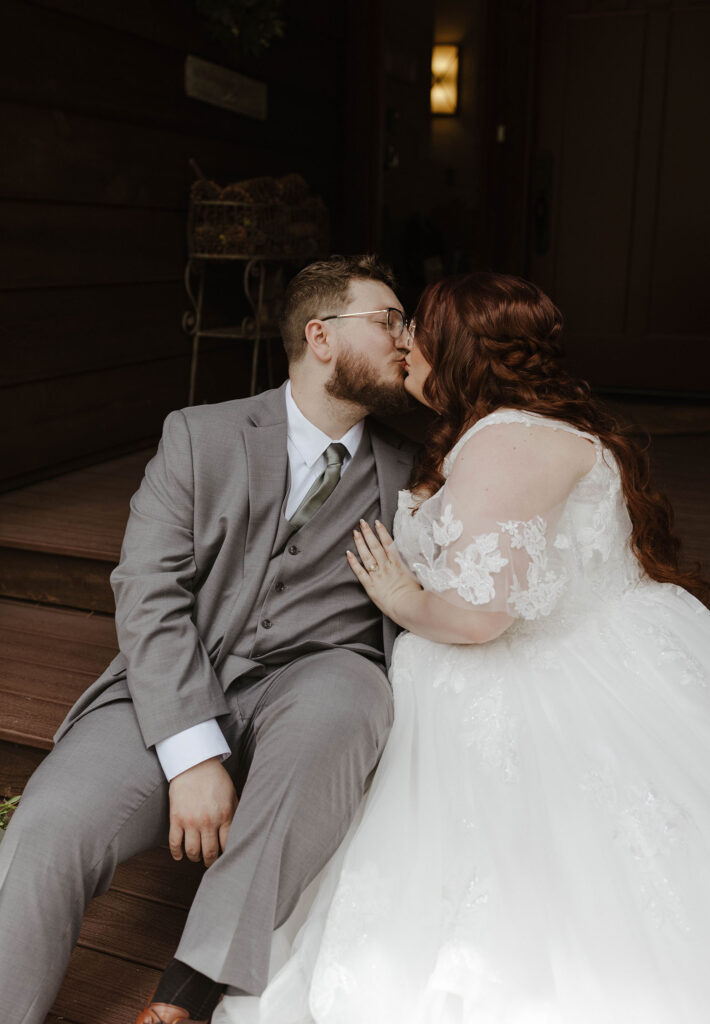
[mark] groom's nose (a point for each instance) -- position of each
(404, 342)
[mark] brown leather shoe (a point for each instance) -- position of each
(166, 1013)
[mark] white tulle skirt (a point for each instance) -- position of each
(535, 846)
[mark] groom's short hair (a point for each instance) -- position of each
(321, 289)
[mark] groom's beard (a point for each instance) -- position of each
(355, 379)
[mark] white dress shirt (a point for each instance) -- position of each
(306, 445)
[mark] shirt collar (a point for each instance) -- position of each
(309, 440)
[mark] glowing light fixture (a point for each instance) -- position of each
(445, 80)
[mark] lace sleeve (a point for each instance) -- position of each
(489, 537)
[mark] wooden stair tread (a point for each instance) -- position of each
(17, 763)
(49, 578)
(28, 679)
(31, 721)
(82, 513)
(103, 989)
(56, 652)
(61, 532)
(679, 467)
(58, 638)
(155, 875)
(59, 622)
(133, 928)
(49, 657)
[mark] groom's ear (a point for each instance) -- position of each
(320, 340)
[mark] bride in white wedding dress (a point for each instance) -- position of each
(535, 845)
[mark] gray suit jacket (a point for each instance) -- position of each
(197, 546)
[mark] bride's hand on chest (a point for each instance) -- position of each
(381, 571)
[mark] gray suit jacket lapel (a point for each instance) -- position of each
(267, 474)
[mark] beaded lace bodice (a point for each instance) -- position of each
(566, 555)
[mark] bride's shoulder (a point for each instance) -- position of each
(524, 441)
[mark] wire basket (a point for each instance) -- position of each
(220, 228)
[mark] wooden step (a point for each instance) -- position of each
(155, 875)
(48, 657)
(129, 936)
(681, 468)
(103, 989)
(60, 539)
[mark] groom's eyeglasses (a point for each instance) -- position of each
(395, 323)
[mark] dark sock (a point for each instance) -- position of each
(183, 986)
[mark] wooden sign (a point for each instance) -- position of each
(221, 87)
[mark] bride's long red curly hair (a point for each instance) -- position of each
(493, 341)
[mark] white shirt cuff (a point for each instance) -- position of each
(191, 746)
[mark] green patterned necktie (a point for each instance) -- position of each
(324, 486)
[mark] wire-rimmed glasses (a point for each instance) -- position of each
(396, 320)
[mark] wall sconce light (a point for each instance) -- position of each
(445, 80)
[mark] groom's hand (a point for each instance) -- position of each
(202, 804)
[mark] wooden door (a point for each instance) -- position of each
(620, 188)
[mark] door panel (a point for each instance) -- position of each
(620, 224)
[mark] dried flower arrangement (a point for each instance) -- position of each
(277, 217)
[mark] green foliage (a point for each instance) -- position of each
(6, 809)
(248, 27)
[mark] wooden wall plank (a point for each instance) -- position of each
(91, 413)
(679, 284)
(103, 414)
(93, 193)
(80, 66)
(50, 245)
(53, 332)
(309, 26)
(58, 156)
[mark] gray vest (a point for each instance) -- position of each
(309, 599)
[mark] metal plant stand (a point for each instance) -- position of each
(253, 327)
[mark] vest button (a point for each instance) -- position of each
(293, 550)
(279, 586)
(267, 623)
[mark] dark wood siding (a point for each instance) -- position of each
(97, 134)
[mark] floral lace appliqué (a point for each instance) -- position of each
(648, 826)
(481, 560)
(478, 561)
(491, 728)
(544, 586)
(361, 903)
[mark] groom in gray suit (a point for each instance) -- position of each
(249, 703)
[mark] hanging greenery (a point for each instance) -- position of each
(248, 27)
